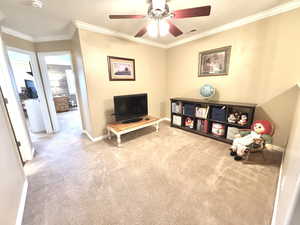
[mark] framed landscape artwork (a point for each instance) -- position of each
(121, 68)
(214, 62)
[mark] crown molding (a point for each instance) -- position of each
(16, 34)
(63, 37)
(101, 30)
(246, 20)
(69, 32)
(27, 37)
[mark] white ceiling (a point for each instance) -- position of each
(56, 16)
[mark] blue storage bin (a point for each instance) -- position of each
(189, 110)
(218, 114)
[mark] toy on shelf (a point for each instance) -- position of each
(234, 117)
(237, 116)
(189, 122)
(231, 118)
(244, 119)
(256, 139)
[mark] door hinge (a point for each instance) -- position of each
(6, 101)
(18, 144)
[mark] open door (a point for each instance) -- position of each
(18, 58)
(47, 88)
(61, 90)
(14, 107)
(13, 131)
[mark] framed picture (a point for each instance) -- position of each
(121, 68)
(214, 62)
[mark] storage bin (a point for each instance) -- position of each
(231, 132)
(177, 107)
(188, 110)
(218, 129)
(202, 126)
(218, 114)
(176, 120)
(201, 112)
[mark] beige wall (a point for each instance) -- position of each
(81, 86)
(150, 65)
(15, 42)
(262, 69)
(53, 46)
(49, 46)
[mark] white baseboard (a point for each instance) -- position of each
(94, 139)
(165, 119)
(100, 138)
(278, 189)
(277, 148)
(22, 204)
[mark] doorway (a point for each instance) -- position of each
(60, 86)
(29, 92)
(28, 87)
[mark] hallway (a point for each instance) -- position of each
(69, 123)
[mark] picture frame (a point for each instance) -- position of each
(214, 62)
(121, 69)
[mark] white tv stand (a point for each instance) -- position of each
(123, 128)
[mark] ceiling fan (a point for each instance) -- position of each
(160, 16)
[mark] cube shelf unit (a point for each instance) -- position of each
(181, 108)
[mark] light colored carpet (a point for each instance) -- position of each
(166, 178)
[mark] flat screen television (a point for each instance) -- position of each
(31, 90)
(130, 108)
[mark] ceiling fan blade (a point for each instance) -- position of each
(174, 30)
(141, 32)
(192, 12)
(126, 16)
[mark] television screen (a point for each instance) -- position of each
(31, 90)
(130, 106)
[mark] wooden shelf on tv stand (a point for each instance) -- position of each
(123, 128)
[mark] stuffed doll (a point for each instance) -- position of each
(244, 119)
(189, 122)
(245, 141)
(257, 145)
(237, 116)
(231, 118)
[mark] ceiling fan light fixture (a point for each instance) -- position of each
(158, 28)
(152, 29)
(164, 28)
(160, 18)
